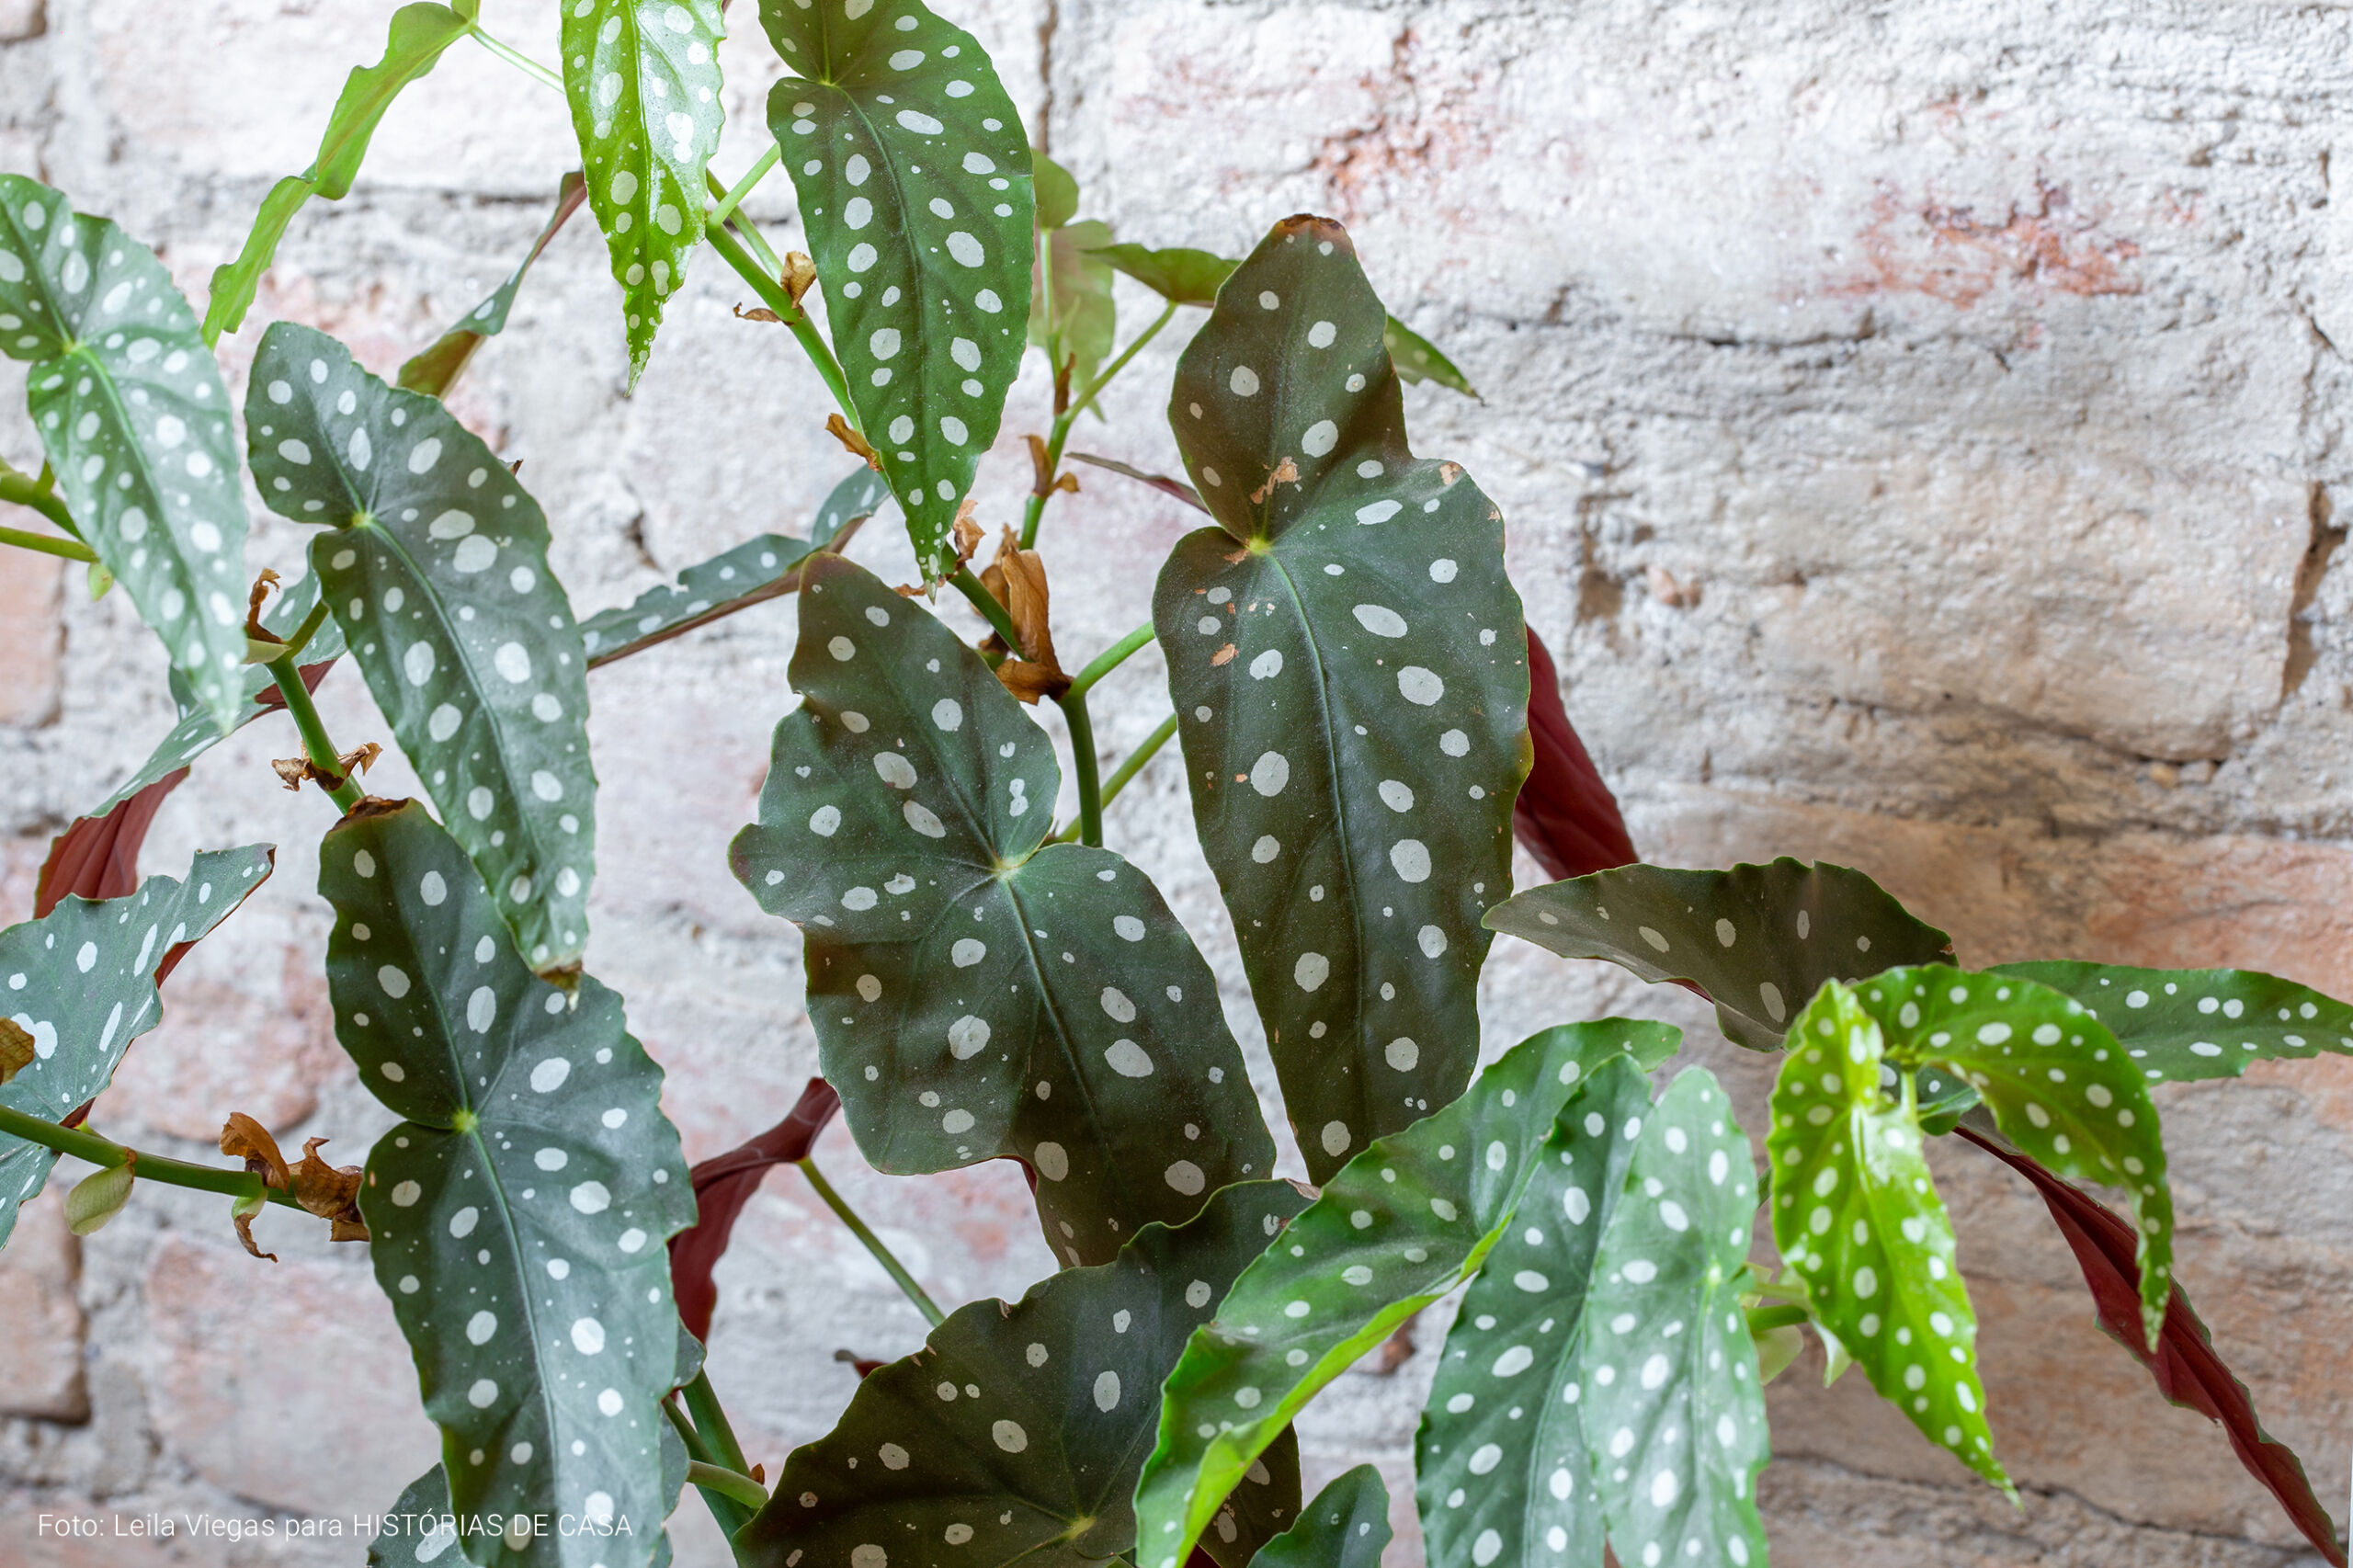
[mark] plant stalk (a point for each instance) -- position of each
(308, 629)
(48, 544)
(1126, 771)
(996, 614)
(1069, 417)
(315, 744)
(727, 1482)
(883, 1255)
(710, 1420)
(1082, 752)
(734, 195)
(772, 294)
(1111, 658)
(84, 1145)
(517, 58)
(731, 1515)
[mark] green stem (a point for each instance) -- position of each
(315, 744)
(1069, 417)
(731, 1515)
(84, 1145)
(996, 614)
(71, 550)
(517, 58)
(890, 1264)
(41, 496)
(308, 629)
(734, 195)
(1764, 1319)
(1082, 751)
(772, 295)
(1111, 658)
(710, 1420)
(727, 1484)
(748, 232)
(1125, 771)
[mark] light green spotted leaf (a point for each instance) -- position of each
(196, 733)
(1674, 1409)
(1345, 1526)
(412, 47)
(1409, 1218)
(1076, 336)
(1756, 940)
(518, 1215)
(976, 996)
(1500, 1463)
(1016, 1433)
(436, 564)
(2185, 1025)
(433, 371)
(82, 983)
(2059, 1085)
(1352, 688)
(1417, 360)
(421, 1528)
(751, 572)
(134, 418)
(1856, 1214)
(642, 80)
(914, 186)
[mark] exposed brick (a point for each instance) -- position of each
(32, 637)
(41, 1355)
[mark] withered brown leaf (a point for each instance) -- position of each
(799, 276)
(16, 1049)
(255, 631)
(757, 313)
(854, 443)
(243, 1138)
(332, 1192)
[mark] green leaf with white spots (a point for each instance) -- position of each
(2186, 1025)
(1352, 683)
(1079, 332)
(754, 572)
(914, 187)
(82, 983)
(642, 80)
(1418, 360)
(434, 370)
(437, 565)
(1016, 1431)
(1178, 275)
(517, 1214)
(1409, 1218)
(134, 418)
(1345, 1526)
(2059, 1085)
(1856, 1214)
(413, 45)
(196, 733)
(1756, 940)
(1674, 1409)
(421, 1527)
(1500, 1461)
(976, 994)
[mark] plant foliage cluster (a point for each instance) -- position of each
(1349, 683)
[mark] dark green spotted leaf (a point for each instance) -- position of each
(1077, 334)
(1418, 359)
(1352, 683)
(196, 733)
(2058, 1086)
(1857, 1214)
(1345, 1526)
(1674, 1410)
(1409, 1218)
(433, 371)
(134, 418)
(1016, 1433)
(81, 980)
(976, 996)
(412, 47)
(1177, 275)
(754, 572)
(435, 563)
(421, 1528)
(2184, 1025)
(914, 187)
(517, 1214)
(642, 80)
(1756, 940)
(1500, 1461)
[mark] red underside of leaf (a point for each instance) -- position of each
(97, 857)
(1565, 814)
(2187, 1370)
(312, 675)
(723, 1184)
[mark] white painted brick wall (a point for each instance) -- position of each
(1921, 431)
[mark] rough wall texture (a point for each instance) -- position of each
(1921, 430)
